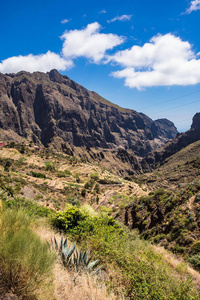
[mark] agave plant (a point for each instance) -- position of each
(74, 257)
(82, 261)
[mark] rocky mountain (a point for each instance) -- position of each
(54, 110)
(158, 157)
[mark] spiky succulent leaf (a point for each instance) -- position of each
(56, 243)
(61, 245)
(92, 265)
(89, 259)
(95, 272)
(70, 252)
(65, 243)
(48, 244)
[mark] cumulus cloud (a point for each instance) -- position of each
(166, 60)
(31, 63)
(89, 43)
(120, 18)
(194, 5)
(64, 21)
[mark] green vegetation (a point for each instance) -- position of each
(25, 262)
(74, 258)
(132, 266)
(108, 181)
(171, 218)
(37, 174)
(65, 173)
(28, 206)
(139, 271)
(194, 260)
(95, 176)
(50, 167)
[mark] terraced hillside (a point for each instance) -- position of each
(53, 194)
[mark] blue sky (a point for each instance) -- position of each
(139, 54)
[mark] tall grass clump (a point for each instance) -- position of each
(25, 261)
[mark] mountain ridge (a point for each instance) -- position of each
(182, 140)
(53, 109)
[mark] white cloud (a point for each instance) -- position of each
(194, 5)
(164, 61)
(120, 18)
(64, 21)
(30, 63)
(103, 11)
(89, 43)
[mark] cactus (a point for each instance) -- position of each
(75, 258)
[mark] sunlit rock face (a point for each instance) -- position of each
(54, 110)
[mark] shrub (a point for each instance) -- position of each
(83, 192)
(195, 261)
(50, 166)
(29, 206)
(159, 192)
(78, 180)
(61, 174)
(94, 176)
(108, 181)
(68, 218)
(37, 174)
(65, 173)
(88, 185)
(73, 200)
(81, 222)
(8, 164)
(158, 237)
(25, 261)
(195, 249)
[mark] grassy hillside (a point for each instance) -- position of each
(57, 194)
(54, 179)
(170, 214)
(132, 268)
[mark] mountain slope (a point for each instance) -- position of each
(54, 110)
(159, 157)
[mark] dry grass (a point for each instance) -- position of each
(69, 285)
(179, 265)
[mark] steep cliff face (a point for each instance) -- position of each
(55, 110)
(196, 122)
(182, 140)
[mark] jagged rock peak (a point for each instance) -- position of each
(196, 121)
(55, 76)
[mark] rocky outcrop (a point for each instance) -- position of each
(196, 121)
(54, 110)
